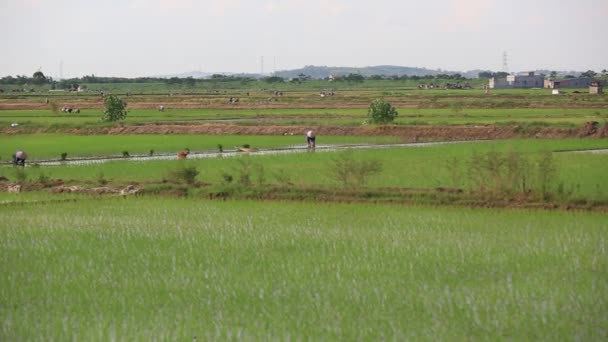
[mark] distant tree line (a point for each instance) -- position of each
(37, 78)
(73, 83)
(352, 77)
(490, 74)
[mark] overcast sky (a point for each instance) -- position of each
(155, 37)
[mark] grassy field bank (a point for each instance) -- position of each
(452, 115)
(146, 269)
(580, 175)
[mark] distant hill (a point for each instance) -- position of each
(385, 70)
(202, 74)
(320, 72)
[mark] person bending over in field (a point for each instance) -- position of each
(19, 158)
(310, 139)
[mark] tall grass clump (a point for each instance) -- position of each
(20, 176)
(496, 174)
(350, 172)
(184, 173)
(247, 172)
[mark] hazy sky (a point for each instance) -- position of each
(154, 37)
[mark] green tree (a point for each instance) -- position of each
(381, 111)
(358, 78)
(589, 73)
(39, 78)
(189, 81)
(273, 79)
(115, 109)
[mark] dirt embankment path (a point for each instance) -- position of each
(407, 133)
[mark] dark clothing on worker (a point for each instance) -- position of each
(19, 158)
(310, 138)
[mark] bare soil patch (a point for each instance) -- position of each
(407, 133)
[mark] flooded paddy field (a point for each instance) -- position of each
(158, 267)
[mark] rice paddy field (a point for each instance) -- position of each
(175, 269)
(444, 165)
(180, 266)
(453, 114)
(50, 146)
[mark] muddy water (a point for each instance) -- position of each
(232, 153)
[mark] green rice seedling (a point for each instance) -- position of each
(409, 167)
(45, 146)
(152, 268)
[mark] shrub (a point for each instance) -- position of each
(125, 154)
(44, 179)
(350, 172)
(151, 153)
(454, 171)
(115, 109)
(101, 180)
(260, 174)
(499, 174)
(244, 171)
(64, 156)
(283, 177)
(227, 178)
(547, 172)
(20, 176)
(380, 112)
(185, 173)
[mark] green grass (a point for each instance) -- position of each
(328, 116)
(420, 167)
(159, 269)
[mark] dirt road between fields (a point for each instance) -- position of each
(405, 133)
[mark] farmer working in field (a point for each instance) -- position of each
(19, 158)
(310, 138)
